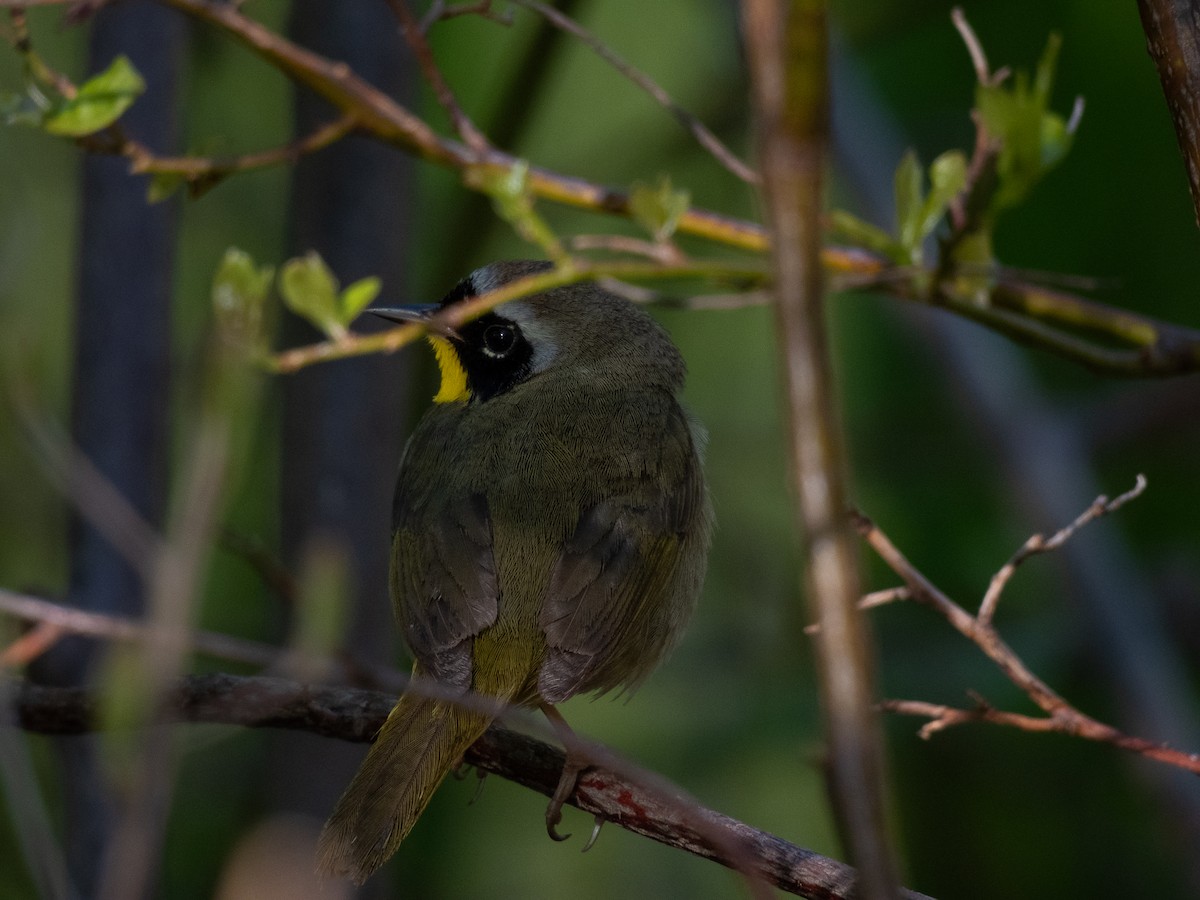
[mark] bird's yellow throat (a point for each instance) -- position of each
(453, 388)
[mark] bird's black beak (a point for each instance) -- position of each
(417, 312)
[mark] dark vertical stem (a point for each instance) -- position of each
(121, 379)
(1173, 38)
(343, 422)
(786, 49)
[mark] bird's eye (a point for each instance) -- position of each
(498, 340)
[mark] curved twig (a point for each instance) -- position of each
(698, 130)
(414, 34)
(1060, 716)
(202, 173)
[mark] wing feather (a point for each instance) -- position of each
(629, 572)
(444, 582)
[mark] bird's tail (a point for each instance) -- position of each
(419, 743)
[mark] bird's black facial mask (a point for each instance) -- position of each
(488, 356)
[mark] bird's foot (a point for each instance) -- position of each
(572, 767)
(574, 764)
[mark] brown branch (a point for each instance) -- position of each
(1017, 310)
(390, 122)
(695, 127)
(1175, 349)
(942, 717)
(414, 34)
(354, 344)
(123, 628)
(1174, 45)
(439, 12)
(203, 173)
(1061, 717)
(639, 294)
(1159, 348)
(32, 644)
(357, 715)
(1037, 544)
(786, 45)
(662, 252)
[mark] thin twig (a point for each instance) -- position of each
(1060, 716)
(392, 123)
(698, 130)
(439, 12)
(122, 628)
(925, 592)
(1040, 544)
(414, 34)
(32, 644)
(943, 717)
(870, 601)
(663, 252)
(354, 344)
(203, 173)
(103, 506)
(983, 72)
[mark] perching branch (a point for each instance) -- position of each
(1060, 716)
(612, 789)
(356, 715)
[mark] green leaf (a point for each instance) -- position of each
(1043, 78)
(909, 197)
(1032, 138)
(239, 295)
(358, 297)
(163, 186)
(658, 208)
(505, 184)
(99, 102)
(855, 231)
(947, 176)
(508, 186)
(310, 290)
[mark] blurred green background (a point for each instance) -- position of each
(980, 812)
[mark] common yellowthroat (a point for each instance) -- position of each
(550, 535)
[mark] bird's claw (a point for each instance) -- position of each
(572, 767)
(591, 841)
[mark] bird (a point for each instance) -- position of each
(550, 532)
